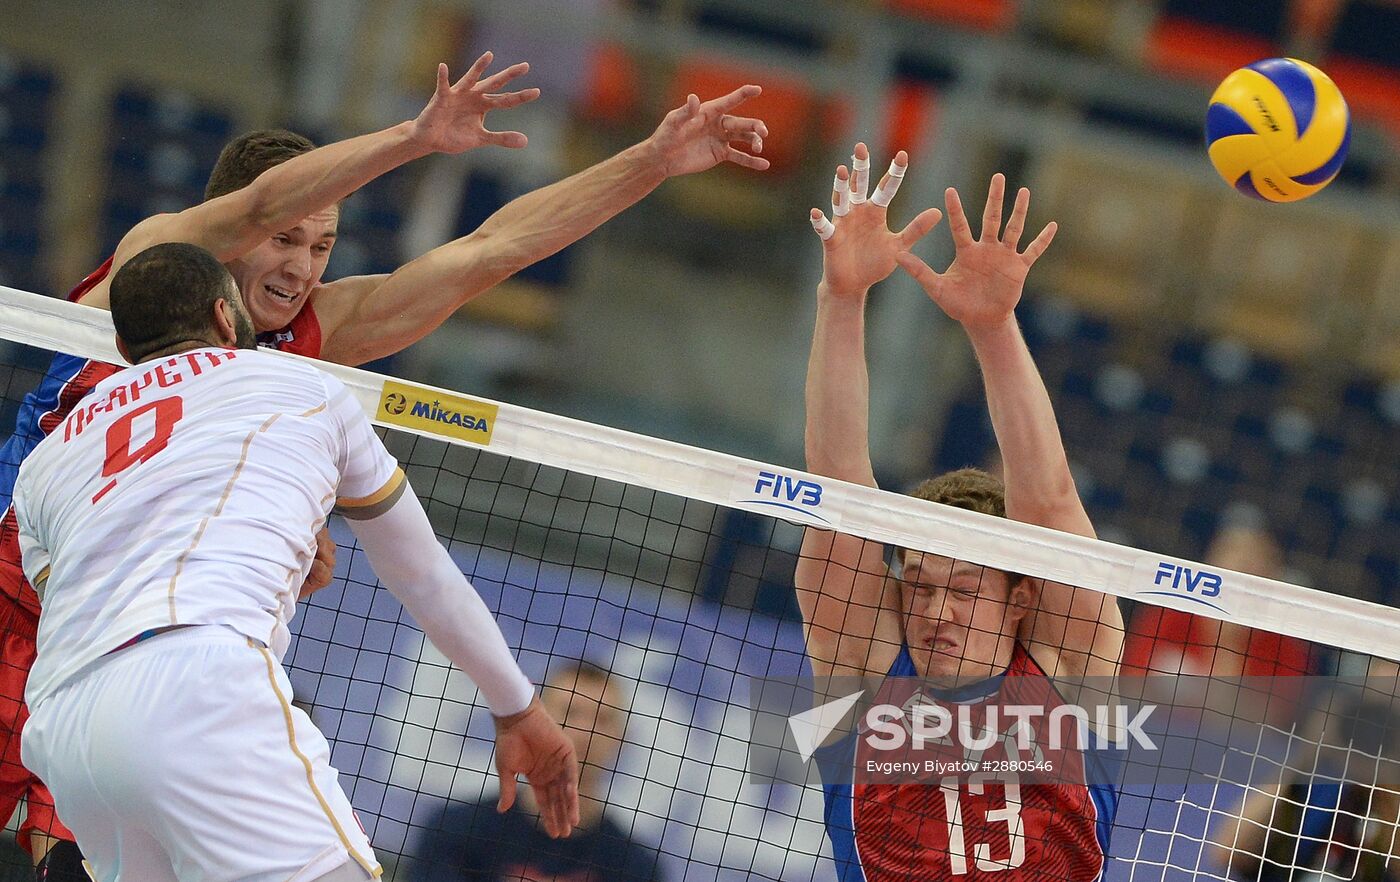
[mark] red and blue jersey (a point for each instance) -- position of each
(989, 827)
(67, 380)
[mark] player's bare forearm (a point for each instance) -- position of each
(366, 322)
(420, 296)
(1039, 486)
(305, 184)
(852, 626)
(838, 390)
(232, 224)
(542, 222)
(849, 605)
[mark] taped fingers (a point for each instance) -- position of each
(824, 227)
(889, 184)
(841, 193)
(860, 169)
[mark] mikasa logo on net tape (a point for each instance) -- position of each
(435, 412)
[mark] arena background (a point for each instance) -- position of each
(1213, 361)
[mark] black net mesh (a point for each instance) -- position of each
(658, 622)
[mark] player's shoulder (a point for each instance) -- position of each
(300, 370)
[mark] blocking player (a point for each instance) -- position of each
(164, 524)
(245, 209)
(931, 617)
(356, 319)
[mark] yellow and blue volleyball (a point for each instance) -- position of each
(1278, 130)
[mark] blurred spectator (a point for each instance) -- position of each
(475, 842)
(1333, 811)
(1165, 641)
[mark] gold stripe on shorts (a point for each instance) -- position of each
(375, 869)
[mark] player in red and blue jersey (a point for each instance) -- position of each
(932, 628)
(271, 217)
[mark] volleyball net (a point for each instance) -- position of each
(649, 586)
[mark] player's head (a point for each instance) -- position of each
(176, 296)
(277, 276)
(589, 705)
(960, 617)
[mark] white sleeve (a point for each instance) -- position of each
(368, 473)
(413, 565)
(34, 556)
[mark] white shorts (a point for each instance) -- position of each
(182, 758)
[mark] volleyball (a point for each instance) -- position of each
(1278, 130)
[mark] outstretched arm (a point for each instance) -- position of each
(369, 317)
(1080, 628)
(233, 224)
(849, 605)
(408, 558)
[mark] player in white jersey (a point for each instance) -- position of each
(167, 525)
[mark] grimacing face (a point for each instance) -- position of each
(960, 618)
(277, 277)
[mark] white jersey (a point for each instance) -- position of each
(188, 491)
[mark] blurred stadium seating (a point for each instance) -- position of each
(160, 149)
(26, 93)
(1171, 431)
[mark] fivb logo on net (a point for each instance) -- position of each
(1029, 735)
(770, 489)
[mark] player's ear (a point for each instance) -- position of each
(1025, 594)
(224, 323)
(121, 347)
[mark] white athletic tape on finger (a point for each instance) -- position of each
(860, 171)
(884, 193)
(825, 228)
(840, 197)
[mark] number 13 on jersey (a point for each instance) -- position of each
(1009, 814)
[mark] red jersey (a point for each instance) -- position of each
(997, 826)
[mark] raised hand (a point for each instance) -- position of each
(532, 744)
(984, 282)
(858, 248)
(455, 118)
(700, 135)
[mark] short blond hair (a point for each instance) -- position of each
(969, 488)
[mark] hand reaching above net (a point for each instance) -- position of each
(454, 119)
(700, 135)
(858, 248)
(983, 284)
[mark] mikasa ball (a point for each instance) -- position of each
(1278, 130)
